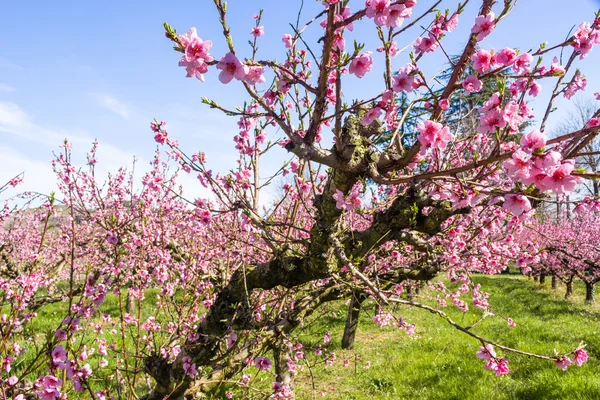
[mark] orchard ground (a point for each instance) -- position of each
(437, 361)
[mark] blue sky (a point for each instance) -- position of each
(84, 70)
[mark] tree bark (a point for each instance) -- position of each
(542, 278)
(569, 291)
(352, 320)
(554, 281)
(281, 355)
(590, 292)
(130, 303)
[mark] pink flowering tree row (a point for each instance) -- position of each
(378, 196)
(567, 248)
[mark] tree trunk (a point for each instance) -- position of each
(352, 320)
(554, 282)
(542, 278)
(569, 291)
(535, 278)
(281, 355)
(590, 292)
(130, 303)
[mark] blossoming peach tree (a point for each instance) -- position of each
(567, 248)
(379, 195)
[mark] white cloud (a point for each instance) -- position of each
(111, 104)
(12, 116)
(16, 122)
(4, 63)
(6, 88)
(38, 175)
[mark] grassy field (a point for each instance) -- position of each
(438, 361)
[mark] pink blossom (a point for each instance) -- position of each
(444, 104)
(505, 57)
(511, 323)
(255, 75)
(361, 64)
(344, 15)
(585, 38)
(498, 365)
(522, 64)
(484, 25)
(481, 60)
(339, 42)
(48, 387)
(59, 355)
(258, 31)
(597, 95)
(580, 358)
(231, 339)
(263, 363)
(516, 204)
(534, 88)
(578, 83)
(556, 69)
(451, 23)
(560, 181)
(491, 121)
(287, 40)
(562, 362)
(396, 15)
(371, 116)
(231, 68)
(491, 103)
(471, 84)
(426, 44)
(433, 135)
(378, 10)
(404, 80)
(593, 122)
(196, 54)
(533, 141)
(518, 166)
(486, 353)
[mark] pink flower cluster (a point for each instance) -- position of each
(580, 357)
(383, 13)
(433, 135)
(361, 64)
(484, 60)
(406, 79)
(586, 37)
(431, 42)
(484, 25)
(196, 56)
(545, 170)
(493, 363)
(160, 132)
(351, 202)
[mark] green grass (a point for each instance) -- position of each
(438, 361)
